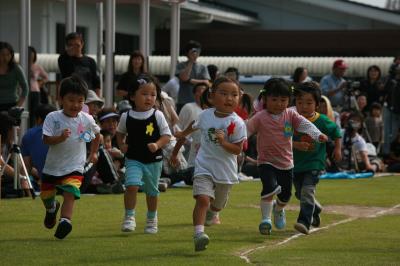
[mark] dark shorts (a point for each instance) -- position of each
(276, 181)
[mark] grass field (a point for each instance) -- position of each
(346, 238)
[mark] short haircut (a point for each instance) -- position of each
(72, 36)
(74, 85)
(234, 70)
(43, 110)
(190, 45)
(376, 105)
(311, 88)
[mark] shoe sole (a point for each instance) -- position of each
(265, 228)
(301, 228)
(127, 230)
(201, 244)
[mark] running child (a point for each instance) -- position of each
(141, 134)
(310, 156)
(222, 135)
(274, 126)
(66, 132)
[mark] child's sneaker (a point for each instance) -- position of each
(301, 228)
(201, 241)
(63, 229)
(50, 219)
(209, 218)
(151, 226)
(316, 220)
(129, 224)
(279, 217)
(265, 227)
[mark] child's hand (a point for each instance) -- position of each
(65, 134)
(323, 138)
(301, 145)
(153, 147)
(173, 161)
(220, 135)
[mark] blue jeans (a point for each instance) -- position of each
(391, 124)
(305, 184)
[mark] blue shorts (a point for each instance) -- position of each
(143, 175)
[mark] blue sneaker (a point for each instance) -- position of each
(279, 217)
(201, 241)
(265, 227)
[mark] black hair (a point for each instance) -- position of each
(246, 102)
(376, 68)
(199, 85)
(190, 45)
(205, 99)
(72, 36)
(375, 105)
(6, 45)
(106, 133)
(6, 122)
(233, 69)
(74, 85)
(143, 79)
(137, 53)
(297, 73)
(221, 80)
(32, 51)
(276, 87)
(310, 87)
(43, 110)
(212, 70)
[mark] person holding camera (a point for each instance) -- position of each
(190, 73)
(333, 85)
(13, 84)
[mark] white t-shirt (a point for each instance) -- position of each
(70, 155)
(212, 159)
(161, 121)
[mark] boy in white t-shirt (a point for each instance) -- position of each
(66, 132)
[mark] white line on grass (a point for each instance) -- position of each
(244, 255)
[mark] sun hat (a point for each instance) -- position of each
(92, 97)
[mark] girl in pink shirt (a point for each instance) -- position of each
(274, 126)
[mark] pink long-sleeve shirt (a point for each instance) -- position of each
(274, 136)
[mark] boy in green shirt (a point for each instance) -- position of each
(310, 156)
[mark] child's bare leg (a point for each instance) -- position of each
(152, 202)
(200, 209)
(68, 205)
(130, 197)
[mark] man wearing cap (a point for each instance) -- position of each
(333, 85)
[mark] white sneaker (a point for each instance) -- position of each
(151, 226)
(129, 224)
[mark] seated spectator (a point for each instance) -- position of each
(94, 103)
(325, 108)
(393, 160)
(33, 150)
(108, 119)
(300, 75)
(362, 105)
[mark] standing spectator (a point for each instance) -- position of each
(190, 73)
(136, 66)
(333, 85)
(172, 88)
(373, 86)
(300, 75)
(74, 61)
(37, 77)
(11, 79)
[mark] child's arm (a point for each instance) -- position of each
(337, 152)
(94, 147)
(234, 148)
(161, 142)
(187, 131)
(53, 140)
(121, 142)
(301, 145)
(173, 160)
(306, 127)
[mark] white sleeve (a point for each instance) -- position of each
(93, 126)
(122, 124)
(162, 124)
(48, 124)
(184, 116)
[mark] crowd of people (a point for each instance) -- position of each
(201, 128)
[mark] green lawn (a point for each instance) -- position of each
(96, 238)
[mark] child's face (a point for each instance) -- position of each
(94, 108)
(107, 142)
(362, 101)
(226, 97)
(145, 97)
(305, 104)
(72, 104)
(276, 104)
(376, 112)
